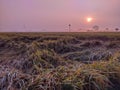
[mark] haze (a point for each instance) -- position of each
(55, 15)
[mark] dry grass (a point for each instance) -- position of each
(54, 61)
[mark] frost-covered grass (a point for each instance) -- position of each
(59, 61)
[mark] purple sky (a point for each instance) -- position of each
(55, 15)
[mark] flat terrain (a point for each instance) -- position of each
(60, 61)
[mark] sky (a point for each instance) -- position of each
(55, 15)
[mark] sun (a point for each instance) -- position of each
(89, 19)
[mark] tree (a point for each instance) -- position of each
(116, 29)
(95, 27)
(107, 29)
(69, 27)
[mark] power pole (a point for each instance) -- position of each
(69, 27)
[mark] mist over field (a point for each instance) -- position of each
(55, 15)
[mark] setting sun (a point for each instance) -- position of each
(89, 19)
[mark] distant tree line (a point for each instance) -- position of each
(96, 28)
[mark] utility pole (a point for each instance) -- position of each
(69, 27)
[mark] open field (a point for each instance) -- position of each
(60, 61)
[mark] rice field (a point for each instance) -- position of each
(60, 61)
